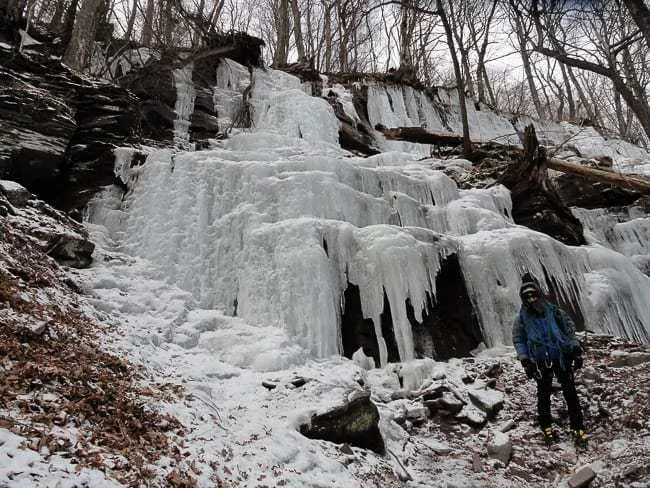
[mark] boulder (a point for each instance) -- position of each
(356, 423)
(490, 401)
(15, 193)
(500, 447)
(71, 249)
(447, 404)
(582, 478)
(472, 416)
(623, 358)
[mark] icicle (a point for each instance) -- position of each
(184, 105)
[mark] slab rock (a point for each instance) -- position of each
(15, 193)
(623, 358)
(582, 478)
(355, 423)
(490, 401)
(500, 447)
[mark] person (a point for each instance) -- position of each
(544, 338)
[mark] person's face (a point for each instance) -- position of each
(531, 298)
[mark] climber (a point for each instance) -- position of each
(544, 338)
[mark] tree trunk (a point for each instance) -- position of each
(282, 31)
(636, 183)
(147, 28)
(525, 58)
(297, 30)
(56, 22)
(405, 36)
(327, 34)
(591, 114)
(420, 136)
(482, 80)
(78, 52)
(641, 15)
(11, 19)
(569, 92)
(467, 143)
(131, 23)
(344, 37)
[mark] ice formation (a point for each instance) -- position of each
(184, 106)
(273, 223)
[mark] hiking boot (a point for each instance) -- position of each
(580, 437)
(550, 437)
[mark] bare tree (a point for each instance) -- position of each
(467, 143)
(281, 22)
(613, 50)
(79, 49)
(522, 31)
(297, 30)
(147, 29)
(641, 15)
(11, 18)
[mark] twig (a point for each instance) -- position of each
(406, 476)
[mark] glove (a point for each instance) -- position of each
(576, 358)
(530, 368)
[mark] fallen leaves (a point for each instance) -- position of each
(54, 377)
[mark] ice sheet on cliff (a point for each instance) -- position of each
(274, 223)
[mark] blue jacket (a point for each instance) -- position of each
(547, 338)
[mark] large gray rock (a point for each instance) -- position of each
(623, 358)
(71, 249)
(16, 194)
(500, 447)
(355, 423)
(490, 401)
(582, 478)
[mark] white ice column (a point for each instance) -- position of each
(184, 106)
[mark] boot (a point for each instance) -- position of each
(550, 437)
(580, 437)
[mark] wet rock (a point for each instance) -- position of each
(269, 385)
(356, 423)
(59, 130)
(298, 382)
(507, 425)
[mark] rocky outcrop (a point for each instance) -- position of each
(59, 129)
(355, 423)
(49, 231)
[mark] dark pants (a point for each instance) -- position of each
(544, 388)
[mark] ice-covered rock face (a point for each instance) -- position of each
(274, 223)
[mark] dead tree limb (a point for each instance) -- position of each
(419, 135)
(636, 183)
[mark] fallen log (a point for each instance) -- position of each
(419, 135)
(636, 183)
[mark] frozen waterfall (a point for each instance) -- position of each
(274, 223)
